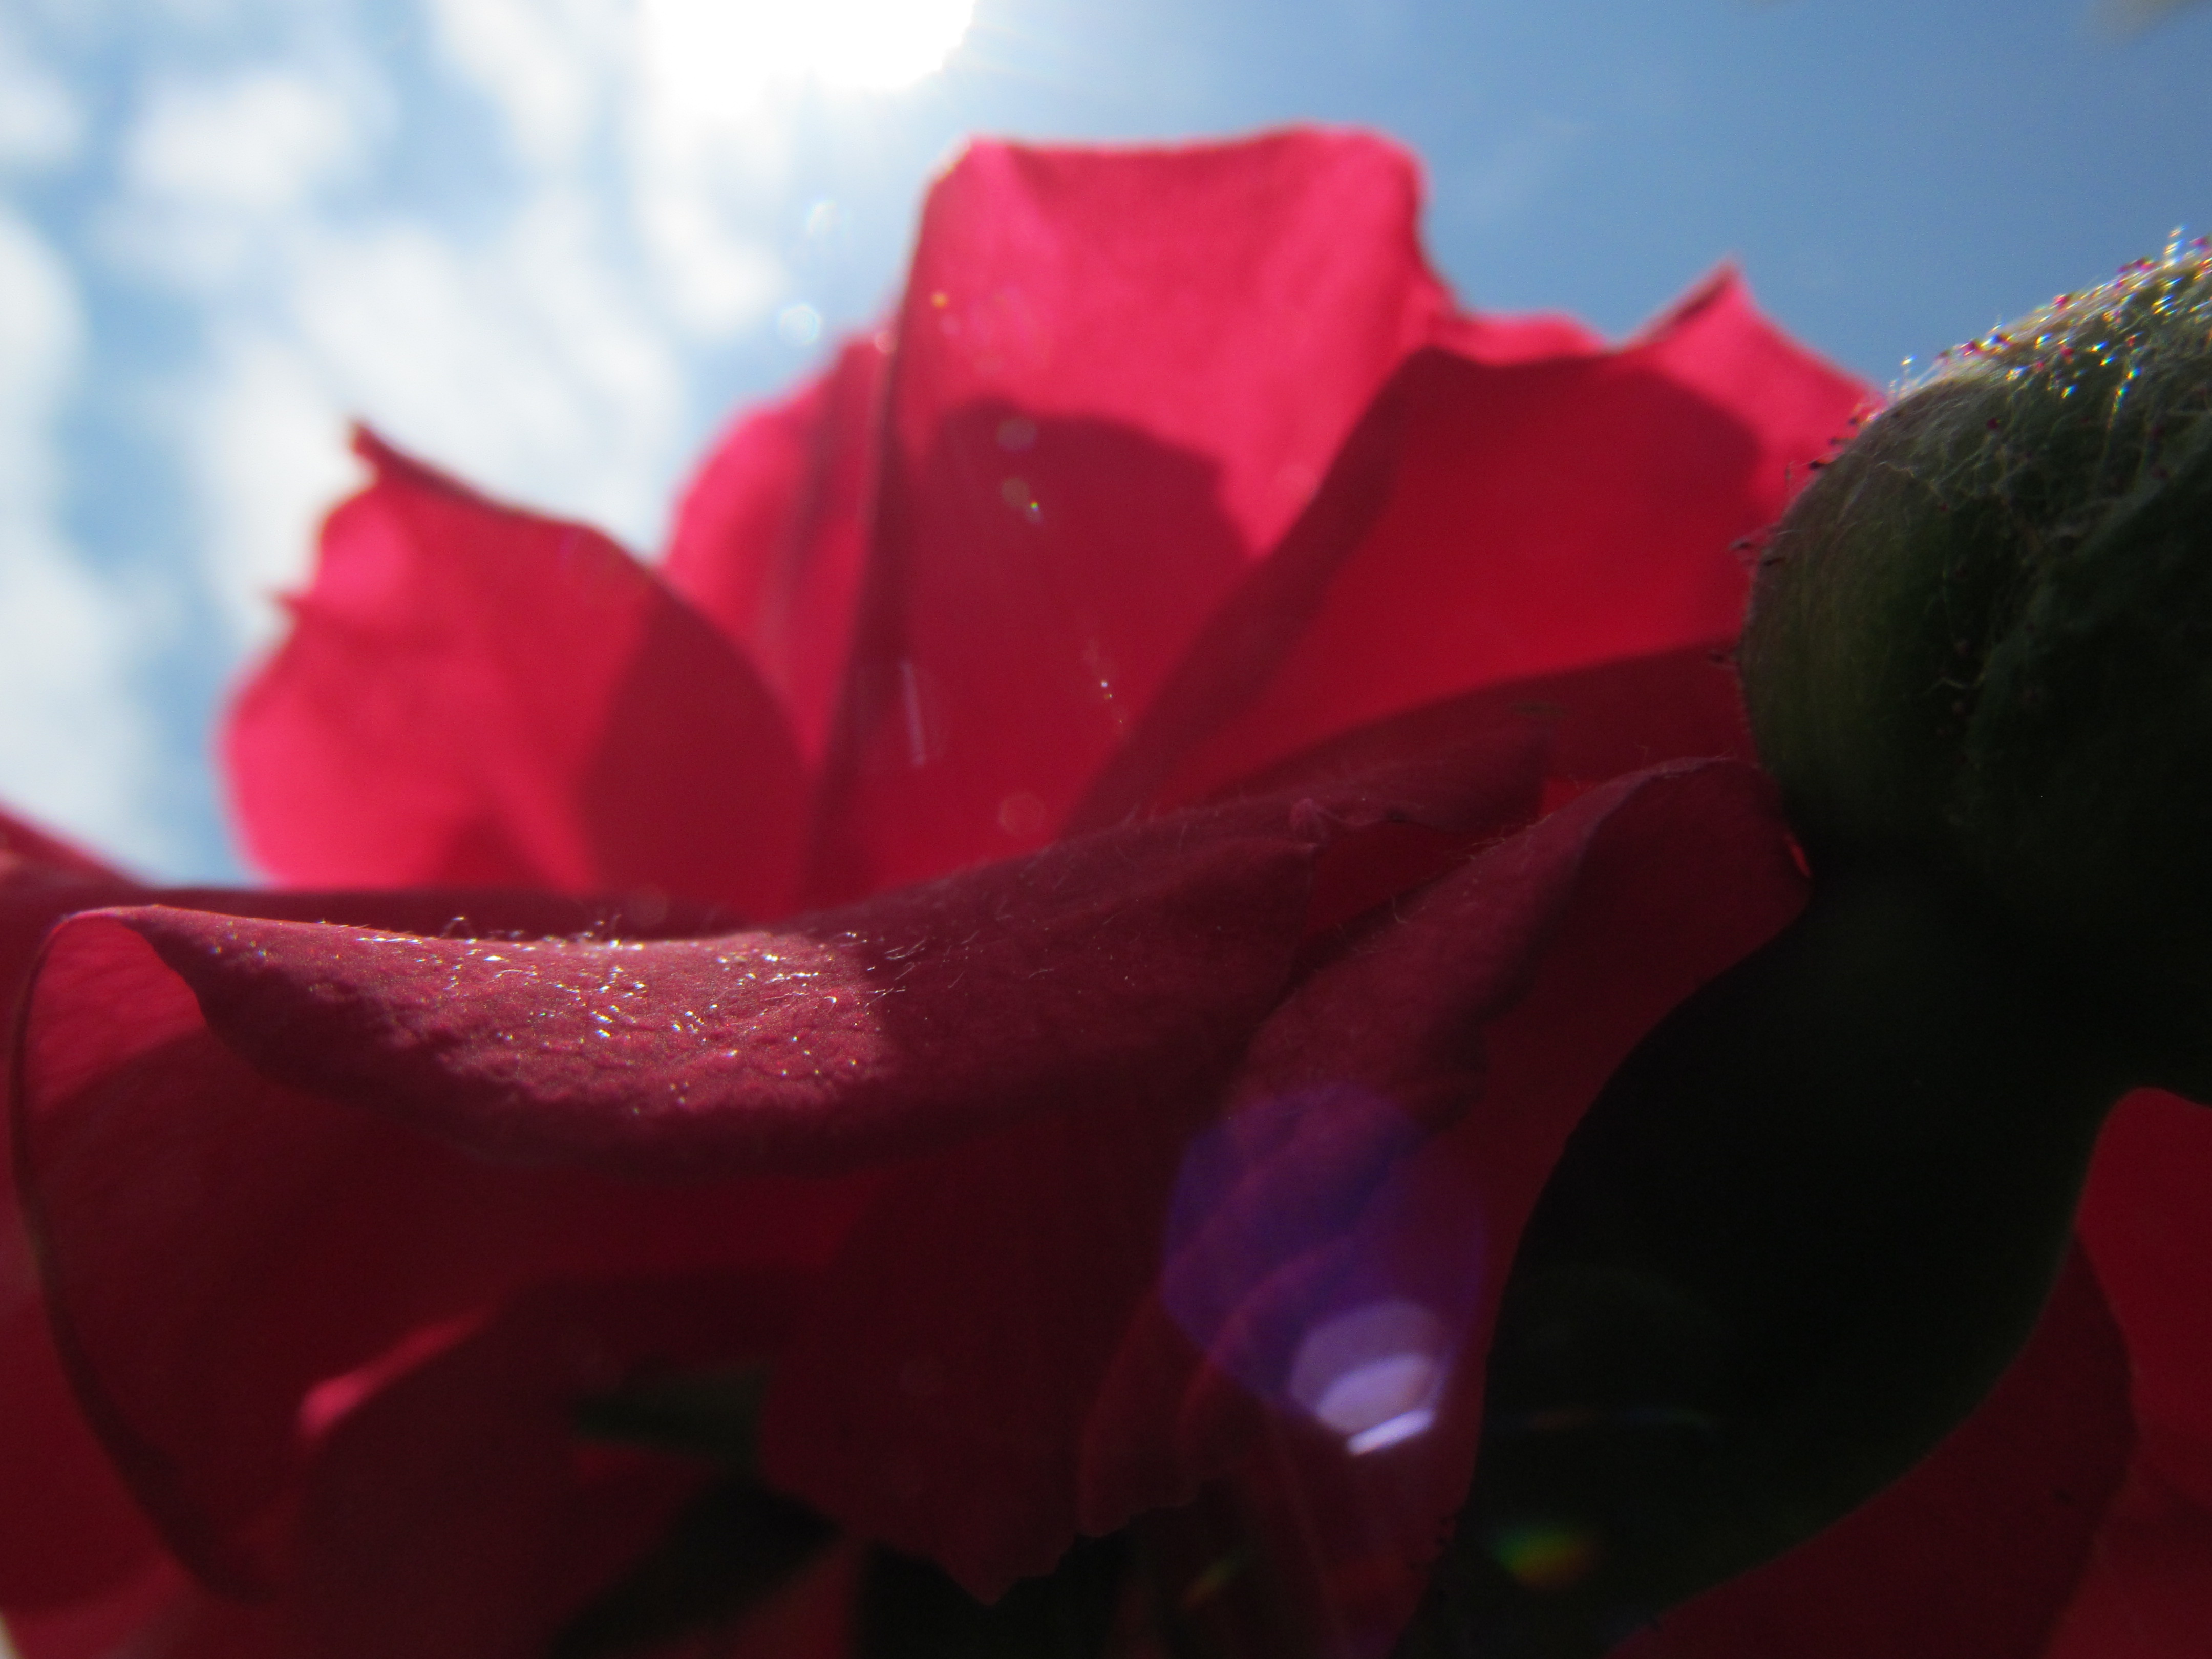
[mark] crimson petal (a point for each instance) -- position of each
(915, 1019)
(2149, 1590)
(771, 537)
(915, 1411)
(452, 1514)
(476, 695)
(161, 1613)
(1113, 387)
(194, 1334)
(195, 1331)
(71, 1530)
(1491, 523)
(1472, 1034)
(1974, 1553)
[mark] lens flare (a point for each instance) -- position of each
(1547, 1558)
(1374, 1373)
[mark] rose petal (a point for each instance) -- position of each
(161, 1614)
(945, 1423)
(1489, 525)
(1174, 291)
(25, 849)
(455, 1515)
(1594, 724)
(71, 1531)
(912, 1020)
(2148, 1229)
(194, 1329)
(1974, 1553)
(1111, 393)
(76, 1539)
(2149, 1590)
(194, 1337)
(41, 880)
(935, 1398)
(1514, 989)
(915, 1021)
(771, 536)
(472, 694)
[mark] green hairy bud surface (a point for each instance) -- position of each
(1809, 1222)
(1982, 638)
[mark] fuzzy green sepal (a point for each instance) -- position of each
(1982, 638)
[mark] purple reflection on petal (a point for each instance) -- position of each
(1326, 1255)
(1374, 1373)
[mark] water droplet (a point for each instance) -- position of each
(798, 325)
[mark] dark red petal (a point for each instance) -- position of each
(1396, 1121)
(476, 695)
(2146, 1226)
(1594, 724)
(936, 1394)
(217, 1247)
(1973, 1555)
(908, 1022)
(72, 1537)
(197, 1333)
(1118, 378)
(41, 880)
(1489, 525)
(68, 1527)
(161, 1614)
(771, 537)
(25, 849)
(935, 1398)
(912, 1022)
(454, 1515)
(2147, 1591)
(813, 1617)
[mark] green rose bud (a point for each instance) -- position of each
(1810, 1221)
(1983, 640)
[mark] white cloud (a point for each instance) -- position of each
(524, 363)
(268, 444)
(538, 346)
(213, 170)
(699, 131)
(75, 747)
(257, 142)
(543, 63)
(515, 353)
(42, 125)
(41, 336)
(715, 277)
(521, 363)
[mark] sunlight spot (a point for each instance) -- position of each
(860, 44)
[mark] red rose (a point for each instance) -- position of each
(1139, 810)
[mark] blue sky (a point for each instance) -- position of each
(552, 243)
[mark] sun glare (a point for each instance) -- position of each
(861, 44)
